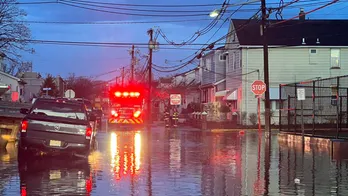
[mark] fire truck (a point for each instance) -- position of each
(126, 106)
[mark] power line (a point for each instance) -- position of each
(138, 10)
(131, 14)
(32, 3)
(96, 43)
(110, 22)
(149, 5)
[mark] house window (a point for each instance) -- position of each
(313, 57)
(335, 58)
(276, 105)
(234, 104)
(208, 64)
(205, 96)
(234, 60)
(223, 57)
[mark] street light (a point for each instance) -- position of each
(214, 13)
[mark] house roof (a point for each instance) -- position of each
(291, 33)
(10, 76)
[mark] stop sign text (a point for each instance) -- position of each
(258, 87)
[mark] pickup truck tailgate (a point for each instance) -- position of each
(45, 130)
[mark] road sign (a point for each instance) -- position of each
(258, 87)
(47, 89)
(69, 93)
(175, 99)
(301, 94)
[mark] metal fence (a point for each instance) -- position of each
(324, 108)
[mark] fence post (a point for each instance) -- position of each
(313, 109)
(340, 97)
(347, 109)
(289, 118)
(337, 107)
(295, 107)
(280, 107)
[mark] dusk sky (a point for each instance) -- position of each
(94, 60)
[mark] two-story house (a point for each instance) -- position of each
(186, 83)
(299, 50)
(33, 87)
(213, 75)
(14, 87)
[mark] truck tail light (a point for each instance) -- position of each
(137, 114)
(24, 126)
(88, 132)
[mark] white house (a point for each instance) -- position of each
(15, 87)
(299, 50)
(213, 75)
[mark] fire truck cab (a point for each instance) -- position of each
(126, 107)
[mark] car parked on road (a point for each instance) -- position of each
(56, 126)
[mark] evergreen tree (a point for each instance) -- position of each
(49, 83)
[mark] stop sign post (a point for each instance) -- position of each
(258, 87)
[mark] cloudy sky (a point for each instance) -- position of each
(129, 24)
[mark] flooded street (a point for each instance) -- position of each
(179, 163)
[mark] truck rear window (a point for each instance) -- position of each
(56, 109)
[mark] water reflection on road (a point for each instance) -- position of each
(179, 163)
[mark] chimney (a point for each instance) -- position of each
(302, 15)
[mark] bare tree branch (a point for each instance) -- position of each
(11, 31)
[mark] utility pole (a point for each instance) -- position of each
(116, 80)
(151, 45)
(132, 65)
(265, 66)
(122, 76)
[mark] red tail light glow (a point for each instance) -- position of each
(24, 191)
(137, 114)
(88, 132)
(24, 126)
(125, 94)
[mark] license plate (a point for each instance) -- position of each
(55, 143)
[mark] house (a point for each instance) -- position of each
(33, 87)
(299, 50)
(187, 84)
(14, 85)
(213, 75)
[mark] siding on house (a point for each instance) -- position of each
(208, 65)
(288, 65)
(220, 66)
(15, 92)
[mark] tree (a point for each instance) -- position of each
(84, 87)
(49, 83)
(14, 36)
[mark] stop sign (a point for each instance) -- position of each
(258, 87)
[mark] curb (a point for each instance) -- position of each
(237, 130)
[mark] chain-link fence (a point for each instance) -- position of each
(324, 108)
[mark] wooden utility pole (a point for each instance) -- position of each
(151, 45)
(116, 82)
(132, 65)
(265, 67)
(122, 76)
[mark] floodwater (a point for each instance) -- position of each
(180, 163)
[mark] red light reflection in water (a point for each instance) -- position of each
(259, 183)
(125, 159)
(24, 191)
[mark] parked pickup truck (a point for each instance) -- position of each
(56, 126)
